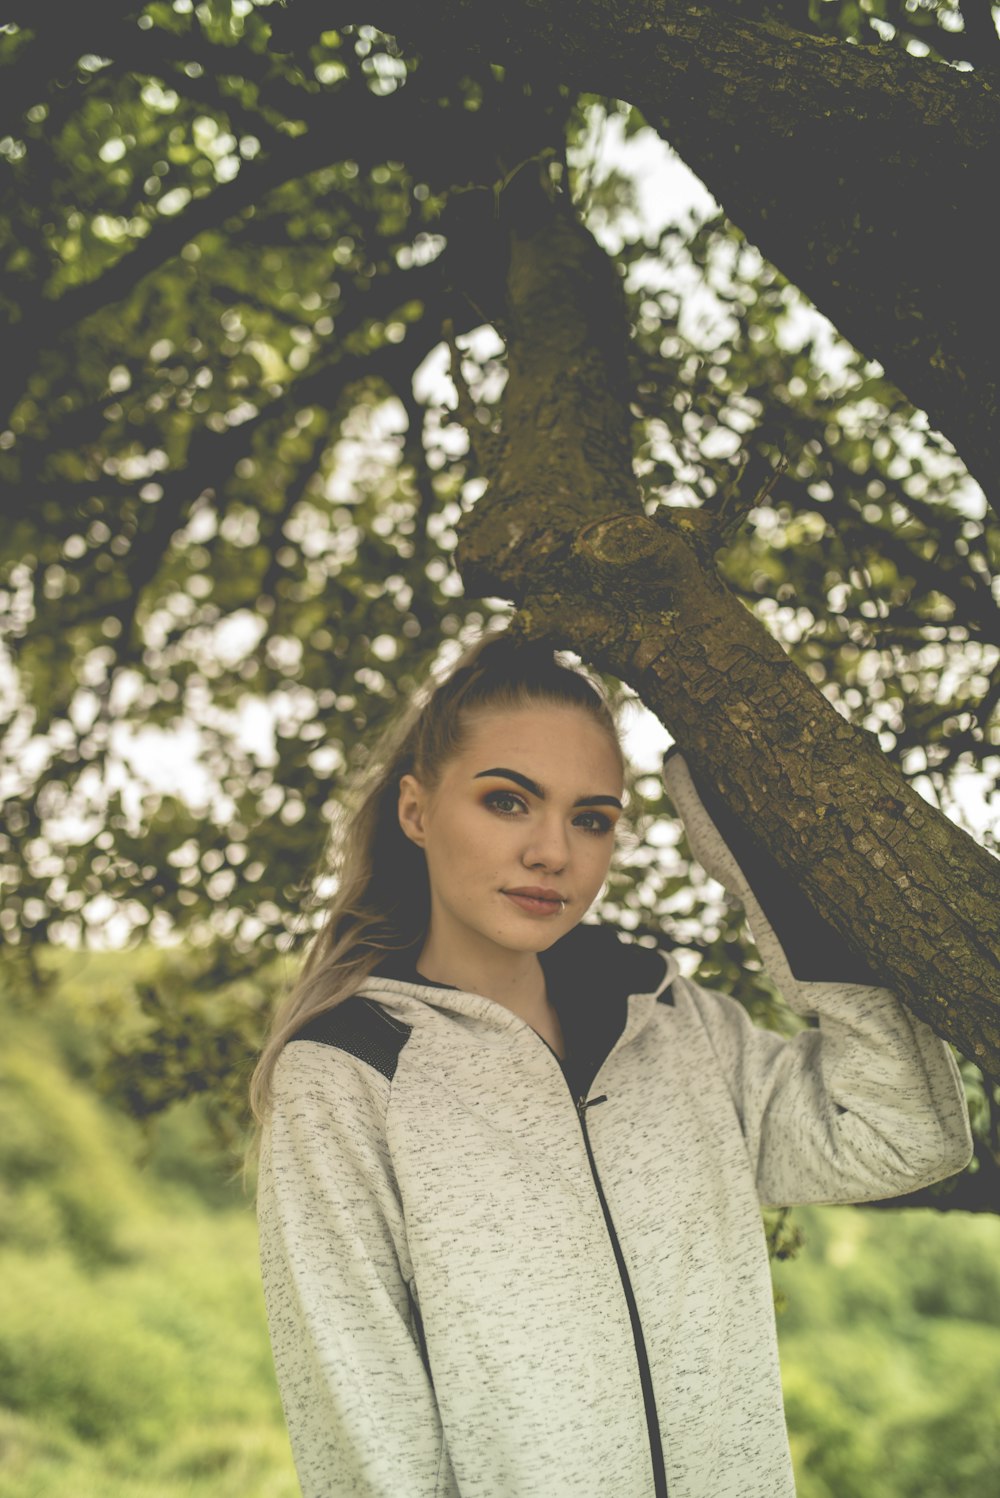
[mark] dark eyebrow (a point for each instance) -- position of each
(536, 790)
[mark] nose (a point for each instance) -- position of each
(548, 847)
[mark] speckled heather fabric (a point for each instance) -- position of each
(447, 1312)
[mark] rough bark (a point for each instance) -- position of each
(865, 175)
(561, 530)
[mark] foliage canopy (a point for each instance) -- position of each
(233, 240)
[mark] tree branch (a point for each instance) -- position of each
(292, 498)
(62, 38)
(826, 155)
(84, 426)
(296, 159)
(212, 458)
(562, 533)
(972, 597)
(110, 30)
(396, 127)
(717, 522)
(415, 453)
(486, 446)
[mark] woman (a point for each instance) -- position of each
(512, 1166)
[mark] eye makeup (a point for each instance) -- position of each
(491, 800)
(537, 790)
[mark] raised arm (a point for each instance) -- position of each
(867, 1105)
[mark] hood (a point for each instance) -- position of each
(591, 973)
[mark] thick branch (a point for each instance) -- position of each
(566, 420)
(866, 175)
(561, 531)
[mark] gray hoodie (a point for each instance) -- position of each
(492, 1274)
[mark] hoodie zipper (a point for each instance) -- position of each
(642, 1358)
(652, 1422)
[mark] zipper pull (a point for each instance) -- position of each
(583, 1103)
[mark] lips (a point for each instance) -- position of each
(537, 892)
(534, 904)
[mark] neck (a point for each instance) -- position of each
(519, 984)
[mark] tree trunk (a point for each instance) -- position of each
(867, 176)
(561, 530)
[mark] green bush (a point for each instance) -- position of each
(891, 1264)
(134, 1360)
(910, 1416)
(84, 1347)
(65, 1175)
(890, 1389)
(161, 1365)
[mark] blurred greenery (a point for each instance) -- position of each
(134, 1360)
(890, 1340)
(133, 1346)
(230, 476)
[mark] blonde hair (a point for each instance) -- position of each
(382, 898)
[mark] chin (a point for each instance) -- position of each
(525, 941)
(535, 941)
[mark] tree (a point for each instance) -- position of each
(233, 238)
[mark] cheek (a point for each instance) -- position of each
(474, 848)
(599, 861)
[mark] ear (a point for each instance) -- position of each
(412, 801)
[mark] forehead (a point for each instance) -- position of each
(553, 744)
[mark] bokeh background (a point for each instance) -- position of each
(230, 476)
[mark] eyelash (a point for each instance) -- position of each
(606, 824)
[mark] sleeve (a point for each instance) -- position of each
(345, 1332)
(865, 1106)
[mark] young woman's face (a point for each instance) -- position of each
(530, 802)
